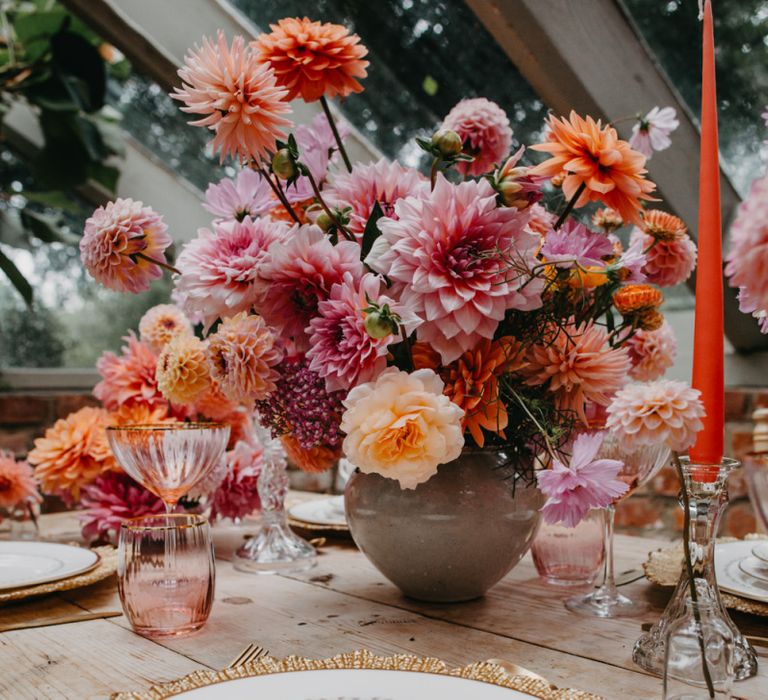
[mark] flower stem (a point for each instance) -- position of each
(408, 350)
(349, 236)
(278, 193)
(569, 207)
(159, 263)
(335, 131)
(433, 172)
(689, 568)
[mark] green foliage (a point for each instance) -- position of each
(30, 338)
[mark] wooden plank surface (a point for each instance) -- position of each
(341, 605)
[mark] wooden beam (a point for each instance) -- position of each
(588, 56)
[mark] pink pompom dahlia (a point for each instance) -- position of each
(238, 495)
(484, 130)
(220, 268)
(299, 274)
(652, 352)
(670, 254)
(237, 97)
(385, 182)
(459, 262)
(341, 349)
(123, 246)
(247, 194)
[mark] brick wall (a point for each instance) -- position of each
(23, 417)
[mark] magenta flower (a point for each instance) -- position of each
(238, 493)
(651, 132)
(247, 194)
(220, 268)
(341, 350)
(298, 275)
(574, 244)
(587, 482)
(122, 244)
(459, 261)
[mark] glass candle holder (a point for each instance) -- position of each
(699, 655)
(166, 573)
(570, 556)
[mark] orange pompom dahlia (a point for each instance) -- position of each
(313, 60)
(637, 297)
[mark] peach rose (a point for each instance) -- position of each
(402, 426)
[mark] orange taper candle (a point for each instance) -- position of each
(708, 334)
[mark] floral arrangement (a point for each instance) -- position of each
(397, 316)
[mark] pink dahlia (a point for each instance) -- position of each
(299, 274)
(123, 245)
(246, 194)
(385, 182)
(578, 366)
(652, 352)
(161, 323)
(220, 268)
(664, 411)
(586, 482)
(485, 132)
(668, 260)
(747, 260)
(341, 350)
(111, 499)
(459, 262)
(17, 482)
(128, 377)
(238, 493)
(540, 220)
(237, 97)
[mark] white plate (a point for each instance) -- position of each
(30, 563)
(730, 577)
(353, 684)
(327, 512)
(760, 551)
(752, 566)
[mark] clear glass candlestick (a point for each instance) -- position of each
(706, 495)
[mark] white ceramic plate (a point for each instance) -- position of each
(353, 684)
(731, 578)
(760, 551)
(30, 563)
(328, 512)
(752, 566)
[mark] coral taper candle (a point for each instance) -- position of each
(708, 334)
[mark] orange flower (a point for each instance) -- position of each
(140, 413)
(607, 219)
(471, 382)
(73, 452)
(183, 373)
(593, 158)
(663, 226)
(280, 213)
(636, 297)
(317, 459)
(214, 405)
(313, 60)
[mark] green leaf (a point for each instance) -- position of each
(51, 198)
(81, 67)
(46, 228)
(38, 24)
(107, 175)
(371, 232)
(16, 278)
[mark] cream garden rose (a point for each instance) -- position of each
(402, 426)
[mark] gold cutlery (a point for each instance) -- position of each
(61, 620)
(516, 670)
(250, 653)
(629, 576)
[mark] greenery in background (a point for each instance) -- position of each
(673, 32)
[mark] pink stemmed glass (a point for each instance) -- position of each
(168, 459)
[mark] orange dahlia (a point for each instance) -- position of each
(317, 459)
(663, 226)
(636, 297)
(594, 160)
(312, 60)
(183, 372)
(214, 405)
(73, 452)
(139, 414)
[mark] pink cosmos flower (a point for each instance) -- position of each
(459, 262)
(747, 260)
(237, 97)
(651, 132)
(129, 377)
(587, 482)
(574, 244)
(341, 350)
(667, 262)
(299, 274)
(664, 411)
(385, 182)
(122, 244)
(247, 194)
(652, 352)
(238, 493)
(220, 268)
(111, 499)
(485, 132)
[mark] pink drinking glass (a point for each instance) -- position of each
(166, 573)
(570, 556)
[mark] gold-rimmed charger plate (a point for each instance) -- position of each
(663, 567)
(105, 567)
(321, 515)
(295, 671)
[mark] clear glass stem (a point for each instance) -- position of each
(609, 579)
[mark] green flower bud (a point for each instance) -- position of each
(448, 142)
(379, 325)
(324, 221)
(283, 165)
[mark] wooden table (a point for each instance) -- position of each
(342, 605)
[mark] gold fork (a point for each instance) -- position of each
(250, 653)
(515, 670)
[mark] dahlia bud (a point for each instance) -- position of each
(650, 320)
(448, 142)
(324, 221)
(379, 324)
(283, 165)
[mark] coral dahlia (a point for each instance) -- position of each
(161, 323)
(183, 373)
(652, 352)
(17, 482)
(670, 253)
